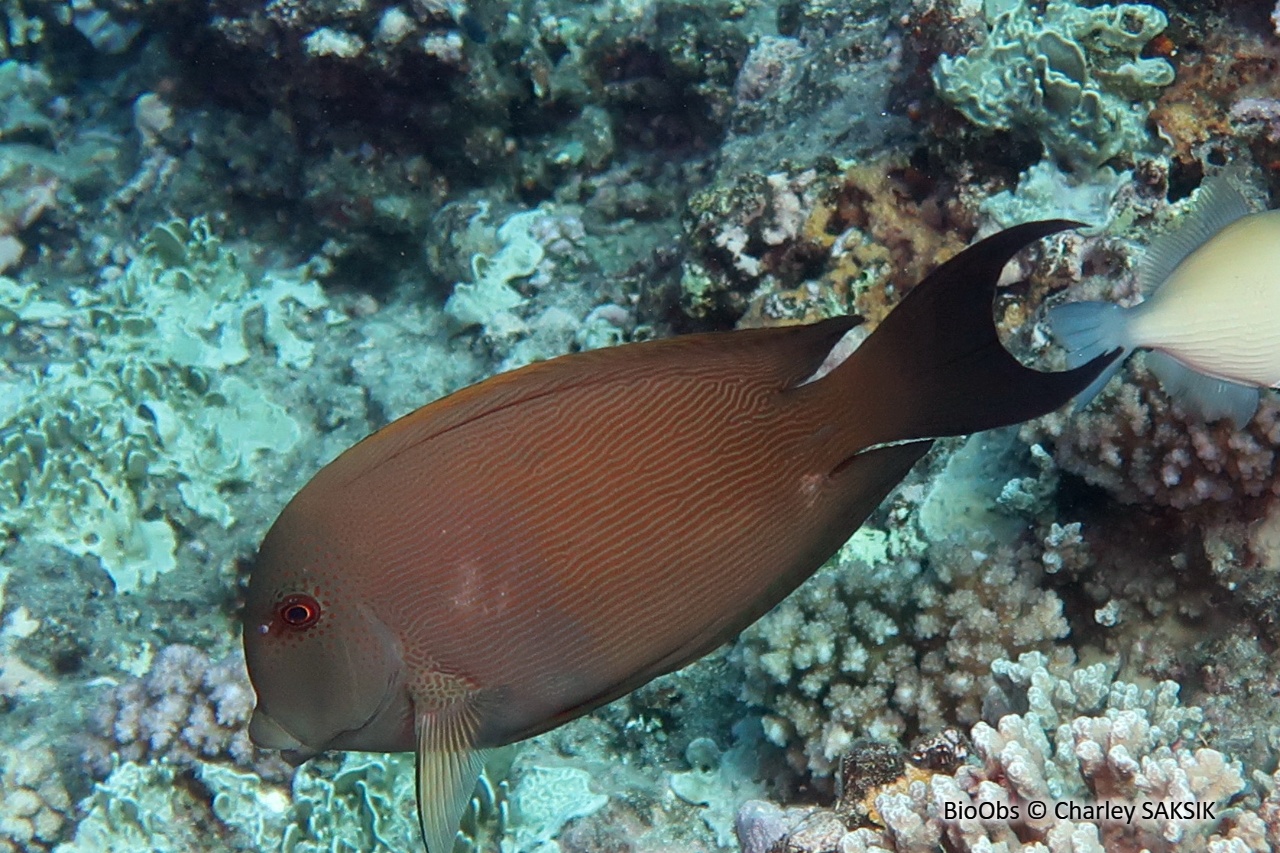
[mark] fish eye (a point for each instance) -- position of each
(298, 611)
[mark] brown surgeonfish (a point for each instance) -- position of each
(514, 555)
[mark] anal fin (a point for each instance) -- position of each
(448, 767)
(1207, 397)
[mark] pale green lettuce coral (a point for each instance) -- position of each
(185, 298)
(368, 803)
(488, 300)
(151, 404)
(138, 807)
(1071, 76)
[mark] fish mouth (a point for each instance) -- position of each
(267, 733)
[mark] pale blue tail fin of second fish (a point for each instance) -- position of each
(1087, 330)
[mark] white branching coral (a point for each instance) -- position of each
(1078, 739)
(891, 638)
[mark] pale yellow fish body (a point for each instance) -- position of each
(1209, 320)
(1219, 312)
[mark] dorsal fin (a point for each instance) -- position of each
(782, 356)
(1217, 204)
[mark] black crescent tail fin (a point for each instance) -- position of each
(936, 360)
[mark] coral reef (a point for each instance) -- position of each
(365, 801)
(515, 282)
(187, 709)
(1045, 190)
(894, 637)
(188, 715)
(1137, 444)
(817, 83)
(1258, 114)
(789, 247)
(545, 798)
(28, 186)
(1133, 440)
(717, 781)
(141, 807)
(488, 300)
(26, 192)
(1220, 61)
(150, 401)
(457, 82)
(34, 804)
(1052, 733)
(481, 185)
(1071, 76)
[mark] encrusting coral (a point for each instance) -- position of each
(785, 247)
(34, 804)
(28, 186)
(1224, 63)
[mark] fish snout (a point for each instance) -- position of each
(265, 732)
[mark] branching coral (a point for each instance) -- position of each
(1132, 440)
(1052, 733)
(1137, 444)
(186, 710)
(892, 638)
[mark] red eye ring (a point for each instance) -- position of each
(298, 611)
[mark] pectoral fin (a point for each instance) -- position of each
(448, 767)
